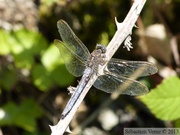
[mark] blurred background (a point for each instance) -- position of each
(34, 80)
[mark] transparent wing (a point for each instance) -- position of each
(71, 41)
(111, 83)
(131, 68)
(74, 64)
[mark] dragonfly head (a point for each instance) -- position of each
(101, 48)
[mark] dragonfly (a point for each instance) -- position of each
(116, 76)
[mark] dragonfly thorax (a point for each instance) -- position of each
(97, 57)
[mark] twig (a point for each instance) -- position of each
(124, 30)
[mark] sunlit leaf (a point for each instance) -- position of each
(164, 100)
(30, 40)
(49, 2)
(32, 44)
(41, 78)
(4, 45)
(54, 64)
(51, 58)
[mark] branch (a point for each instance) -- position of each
(124, 30)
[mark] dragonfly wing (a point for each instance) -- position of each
(131, 68)
(74, 64)
(71, 41)
(122, 85)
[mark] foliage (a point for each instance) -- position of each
(25, 46)
(163, 101)
(23, 115)
(27, 58)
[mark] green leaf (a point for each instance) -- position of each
(8, 78)
(51, 58)
(4, 44)
(28, 112)
(61, 76)
(31, 43)
(24, 59)
(164, 100)
(54, 64)
(30, 40)
(24, 45)
(8, 114)
(41, 77)
(176, 123)
(49, 2)
(23, 115)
